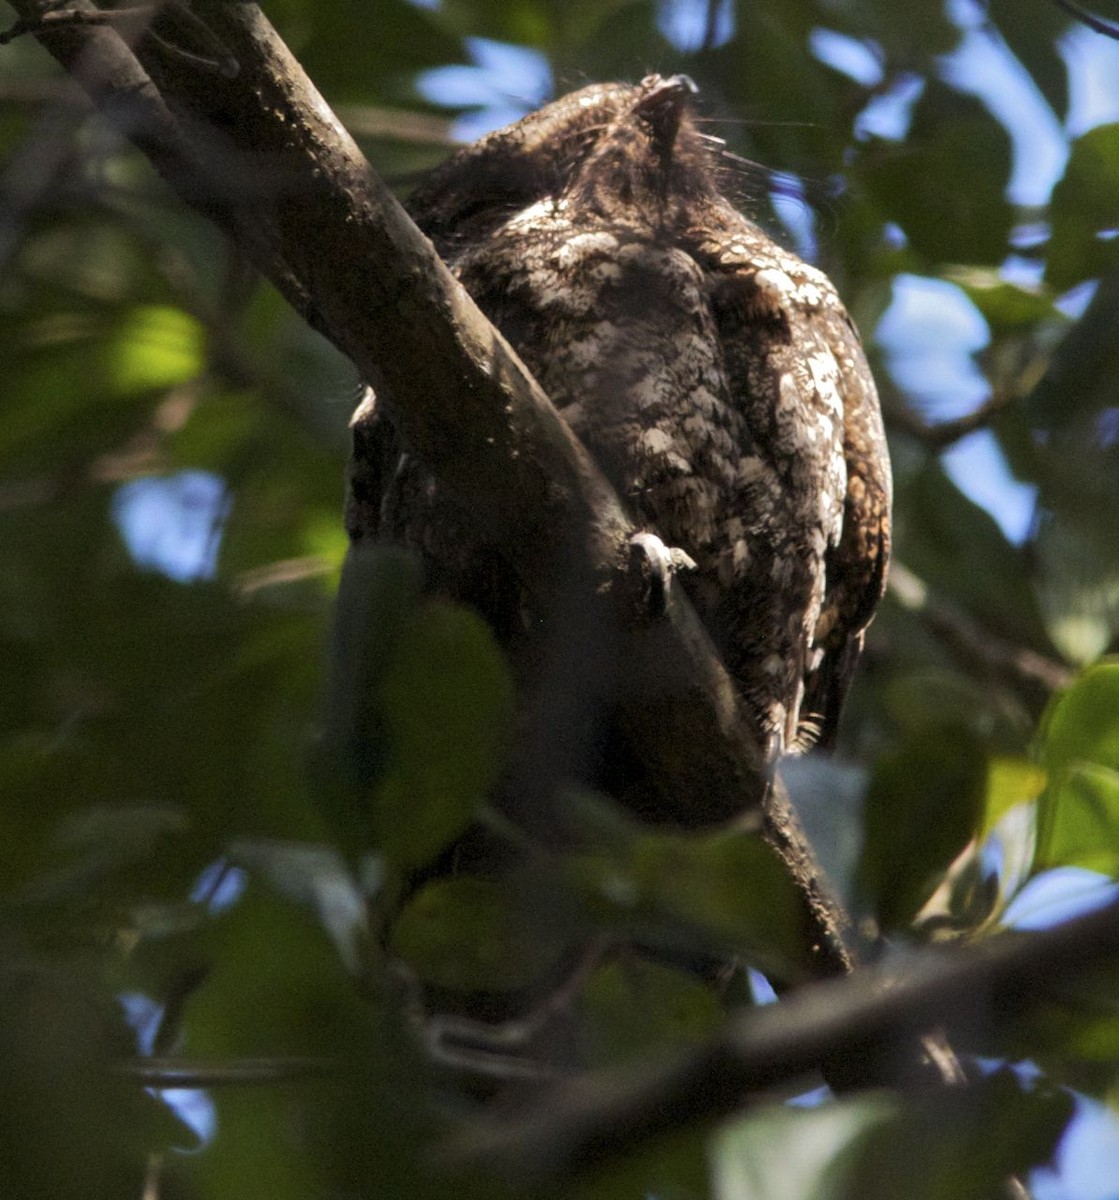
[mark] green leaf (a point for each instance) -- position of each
(72, 1128)
(794, 1153)
(731, 886)
(1011, 782)
(1006, 307)
(923, 807)
(961, 1143)
(631, 1007)
(1083, 208)
(958, 548)
(671, 1167)
(275, 988)
(447, 704)
(1078, 818)
(1079, 821)
(379, 69)
(724, 893)
(945, 184)
(474, 935)
(154, 347)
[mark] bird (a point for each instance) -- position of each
(715, 377)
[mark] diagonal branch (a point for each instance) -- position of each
(261, 154)
(583, 1121)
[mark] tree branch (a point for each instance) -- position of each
(262, 155)
(1096, 24)
(973, 645)
(583, 1121)
(942, 434)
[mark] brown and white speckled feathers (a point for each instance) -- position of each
(714, 376)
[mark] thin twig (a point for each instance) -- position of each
(943, 434)
(166, 1073)
(972, 643)
(1086, 18)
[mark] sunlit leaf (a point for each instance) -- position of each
(1010, 782)
(154, 347)
(794, 1153)
(1078, 822)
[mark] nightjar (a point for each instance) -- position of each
(714, 376)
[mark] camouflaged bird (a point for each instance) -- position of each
(714, 376)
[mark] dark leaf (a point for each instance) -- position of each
(924, 805)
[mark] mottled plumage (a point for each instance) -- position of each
(715, 377)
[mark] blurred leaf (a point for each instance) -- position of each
(447, 698)
(958, 1145)
(274, 985)
(1074, 1035)
(732, 885)
(1083, 208)
(314, 876)
(1006, 307)
(1080, 376)
(963, 1143)
(91, 845)
(938, 696)
(377, 595)
(1078, 581)
(671, 1167)
(1010, 782)
(631, 1007)
(376, 67)
(795, 1153)
(419, 707)
(1035, 44)
(945, 184)
(909, 36)
(1078, 819)
(152, 348)
(71, 1128)
(958, 548)
(923, 806)
(474, 935)
(722, 893)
